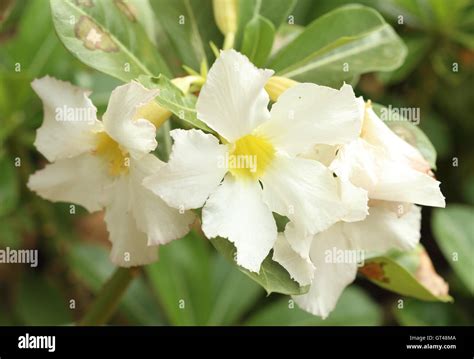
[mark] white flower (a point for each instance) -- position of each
(101, 164)
(395, 176)
(255, 170)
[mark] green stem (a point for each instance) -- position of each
(166, 139)
(109, 297)
(229, 41)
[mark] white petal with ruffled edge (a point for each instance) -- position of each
(153, 216)
(385, 229)
(308, 114)
(233, 101)
(299, 239)
(137, 136)
(355, 200)
(79, 180)
(400, 183)
(237, 212)
(300, 269)
(305, 191)
(371, 168)
(194, 170)
(60, 135)
(330, 277)
(129, 244)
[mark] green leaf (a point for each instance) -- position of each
(233, 293)
(258, 40)
(418, 47)
(171, 98)
(9, 188)
(408, 131)
(20, 64)
(91, 265)
(190, 27)
(285, 35)
(276, 11)
(398, 273)
(418, 313)
(9, 234)
(353, 308)
(40, 302)
(439, 15)
(272, 276)
(108, 37)
(181, 280)
(453, 228)
(339, 46)
(195, 286)
(44, 52)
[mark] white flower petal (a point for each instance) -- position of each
(356, 201)
(236, 211)
(193, 171)
(355, 198)
(308, 114)
(305, 191)
(385, 178)
(321, 153)
(377, 133)
(330, 277)
(233, 100)
(356, 162)
(299, 239)
(129, 244)
(69, 119)
(153, 216)
(385, 229)
(137, 136)
(400, 183)
(81, 180)
(300, 269)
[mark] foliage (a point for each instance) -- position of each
(424, 59)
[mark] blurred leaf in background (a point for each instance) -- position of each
(453, 228)
(353, 308)
(339, 46)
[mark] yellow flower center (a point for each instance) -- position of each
(110, 150)
(250, 156)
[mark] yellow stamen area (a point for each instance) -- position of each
(250, 156)
(110, 150)
(154, 113)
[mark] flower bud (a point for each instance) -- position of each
(276, 85)
(225, 14)
(154, 113)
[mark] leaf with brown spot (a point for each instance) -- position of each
(93, 37)
(102, 37)
(407, 273)
(428, 277)
(374, 271)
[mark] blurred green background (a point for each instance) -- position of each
(192, 283)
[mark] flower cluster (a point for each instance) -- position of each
(319, 157)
